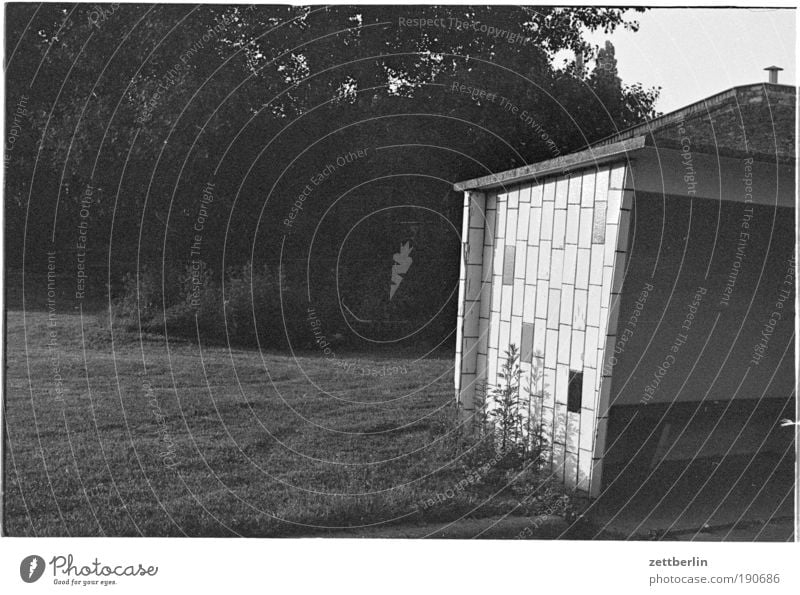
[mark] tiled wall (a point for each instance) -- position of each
(542, 268)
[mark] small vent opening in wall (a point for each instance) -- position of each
(574, 391)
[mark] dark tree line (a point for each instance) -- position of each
(362, 115)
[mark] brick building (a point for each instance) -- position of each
(650, 278)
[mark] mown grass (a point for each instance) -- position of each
(264, 444)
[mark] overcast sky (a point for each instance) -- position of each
(693, 53)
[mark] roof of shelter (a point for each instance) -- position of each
(755, 120)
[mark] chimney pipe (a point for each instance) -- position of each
(773, 74)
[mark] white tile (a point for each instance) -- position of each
(536, 195)
(593, 305)
(567, 294)
(562, 382)
(556, 267)
(584, 471)
(603, 328)
(613, 202)
(513, 199)
(617, 176)
(601, 185)
(511, 226)
(608, 278)
(523, 221)
(585, 228)
(525, 194)
(497, 293)
(570, 265)
(505, 301)
(596, 267)
(573, 432)
(549, 190)
(520, 260)
(539, 337)
(571, 470)
(562, 185)
(499, 256)
(573, 224)
(610, 246)
(502, 208)
(505, 337)
(587, 189)
(544, 260)
(525, 372)
(579, 309)
(548, 209)
(589, 393)
(558, 462)
(551, 348)
(582, 268)
(574, 197)
(590, 348)
(559, 227)
(466, 213)
(529, 308)
(576, 350)
(519, 297)
(536, 409)
(553, 306)
(560, 426)
(516, 332)
(542, 296)
(587, 431)
(547, 419)
(491, 364)
(535, 225)
(564, 345)
(549, 383)
(531, 264)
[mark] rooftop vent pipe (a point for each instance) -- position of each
(773, 74)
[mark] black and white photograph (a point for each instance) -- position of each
(473, 278)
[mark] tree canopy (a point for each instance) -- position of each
(363, 116)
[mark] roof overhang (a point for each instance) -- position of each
(591, 157)
(744, 178)
(667, 172)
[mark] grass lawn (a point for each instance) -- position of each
(147, 436)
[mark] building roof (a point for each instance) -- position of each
(751, 120)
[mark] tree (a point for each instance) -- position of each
(151, 103)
